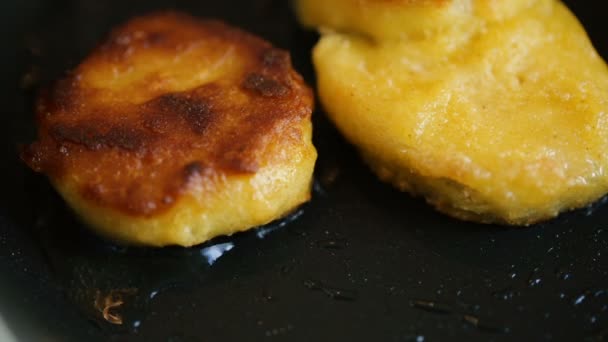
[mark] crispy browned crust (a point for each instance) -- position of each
(135, 148)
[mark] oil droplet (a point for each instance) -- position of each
(286, 269)
(333, 243)
(534, 279)
(505, 294)
(267, 296)
(341, 294)
(431, 306)
(595, 206)
(312, 285)
(330, 291)
(484, 325)
(318, 188)
(563, 274)
(580, 299)
(212, 253)
(262, 232)
(278, 331)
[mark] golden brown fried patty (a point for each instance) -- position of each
(176, 130)
(494, 111)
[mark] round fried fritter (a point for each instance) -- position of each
(502, 122)
(176, 130)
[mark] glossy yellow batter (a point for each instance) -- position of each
(494, 111)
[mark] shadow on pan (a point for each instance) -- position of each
(360, 262)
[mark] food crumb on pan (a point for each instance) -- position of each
(108, 304)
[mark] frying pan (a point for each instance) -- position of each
(360, 262)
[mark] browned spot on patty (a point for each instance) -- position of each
(192, 169)
(265, 86)
(93, 137)
(162, 91)
(195, 112)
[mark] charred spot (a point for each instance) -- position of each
(89, 136)
(197, 113)
(77, 135)
(265, 86)
(192, 170)
(124, 138)
(276, 58)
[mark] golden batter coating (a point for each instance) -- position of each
(175, 130)
(495, 111)
(405, 19)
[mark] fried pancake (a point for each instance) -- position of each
(176, 130)
(500, 117)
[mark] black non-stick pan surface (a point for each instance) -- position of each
(360, 262)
